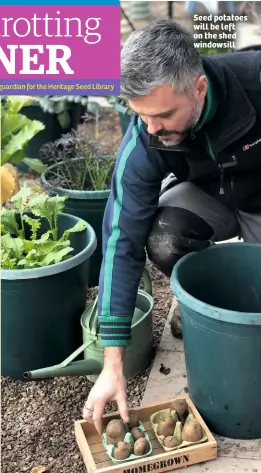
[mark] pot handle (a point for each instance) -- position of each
(73, 355)
(93, 322)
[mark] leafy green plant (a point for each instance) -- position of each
(21, 246)
(88, 171)
(60, 106)
(17, 130)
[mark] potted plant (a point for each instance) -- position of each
(59, 114)
(45, 256)
(78, 171)
(16, 132)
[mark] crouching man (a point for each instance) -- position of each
(188, 174)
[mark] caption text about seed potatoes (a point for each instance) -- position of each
(216, 31)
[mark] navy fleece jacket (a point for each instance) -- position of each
(127, 221)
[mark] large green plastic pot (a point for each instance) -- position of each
(219, 290)
(124, 122)
(138, 354)
(88, 205)
(42, 307)
(125, 116)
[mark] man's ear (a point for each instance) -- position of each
(201, 88)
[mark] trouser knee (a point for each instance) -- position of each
(174, 233)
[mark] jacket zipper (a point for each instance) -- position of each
(232, 185)
(221, 185)
(234, 163)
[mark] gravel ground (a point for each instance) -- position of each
(38, 417)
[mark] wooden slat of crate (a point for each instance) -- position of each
(97, 460)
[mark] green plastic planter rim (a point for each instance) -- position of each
(202, 308)
(73, 194)
(76, 260)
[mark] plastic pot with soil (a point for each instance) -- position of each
(45, 267)
(84, 178)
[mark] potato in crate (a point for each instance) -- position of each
(160, 436)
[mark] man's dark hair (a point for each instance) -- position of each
(159, 53)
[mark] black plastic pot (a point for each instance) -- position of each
(42, 307)
(88, 205)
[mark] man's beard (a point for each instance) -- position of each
(197, 110)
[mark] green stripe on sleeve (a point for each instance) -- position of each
(112, 241)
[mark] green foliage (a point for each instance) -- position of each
(60, 105)
(99, 171)
(213, 51)
(35, 164)
(8, 222)
(55, 104)
(16, 129)
(20, 251)
(92, 167)
(90, 172)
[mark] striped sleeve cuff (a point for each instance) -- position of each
(115, 331)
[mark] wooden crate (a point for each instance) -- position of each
(97, 460)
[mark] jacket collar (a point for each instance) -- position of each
(234, 113)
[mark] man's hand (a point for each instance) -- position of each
(110, 386)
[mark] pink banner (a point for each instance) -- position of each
(60, 42)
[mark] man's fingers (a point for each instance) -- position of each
(97, 415)
(123, 407)
(87, 415)
(88, 409)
